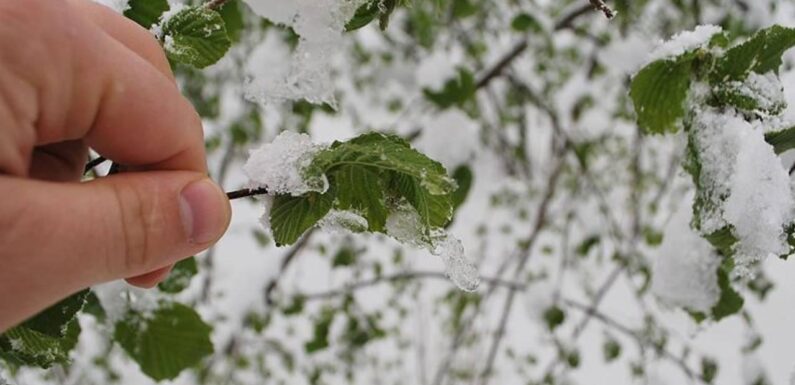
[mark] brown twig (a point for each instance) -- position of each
(286, 261)
(601, 6)
(246, 192)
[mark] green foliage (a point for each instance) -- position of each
(659, 92)
(554, 316)
(525, 22)
(463, 178)
(455, 92)
(48, 337)
(180, 276)
(611, 350)
(170, 340)
(322, 326)
(367, 175)
(146, 12)
(781, 140)
(709, 369)
(761, 54)
(196, 36)
(372, 10)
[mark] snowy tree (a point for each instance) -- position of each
(462, 191)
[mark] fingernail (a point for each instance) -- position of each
(204, 211)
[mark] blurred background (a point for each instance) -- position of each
(562, 206)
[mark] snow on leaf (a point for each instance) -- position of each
(684, 42)
(280, 166)
(195, 36)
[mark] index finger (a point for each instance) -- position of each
(119, 103)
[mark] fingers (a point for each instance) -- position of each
(60, 162)
(63, 237)
(95, 79)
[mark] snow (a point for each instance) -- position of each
(685, 266)
(458, 267)
(684, 42)
(717, 138)
(753, 371)
(451, 138)
(117, 5)
(766, 89)
(278, 166)
(343, 221)
(117, 298)
(405, 225)
(320, 25)
(760, 205)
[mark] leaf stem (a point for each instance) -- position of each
(604, 8)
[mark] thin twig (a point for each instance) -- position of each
(93, 163)
(286, 261)
(246, 192)
(540, 222)
(601, 6)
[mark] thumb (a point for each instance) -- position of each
(59, 238)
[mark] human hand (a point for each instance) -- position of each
(75, 75)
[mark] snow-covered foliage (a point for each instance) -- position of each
(562, 203)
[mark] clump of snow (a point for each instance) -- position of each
(766, 89)
(539, 297)
(343, 221)
(684, 42)
(717, 137)
(405, 225)
(117, 5)
(279, 166)
(743, 184)
(760, 204)
(320, 25)
(458, 267)
(685, 268)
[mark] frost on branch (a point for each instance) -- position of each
(320, 25)
(375, 182)
(685, 266)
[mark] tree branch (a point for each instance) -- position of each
(286, 261)
(215, 4)
(246, 192)
(601, 6)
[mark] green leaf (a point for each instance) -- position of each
(180, 276)
(455, 92)
(374, 9)
(659, 92)
(554, 317)
(233, 19)
(781, 140)
(345, 256)
(709, 369)
(53, 321)
(196, 36)
(761, 54)
(435, 210)
(611, 350)
(164, 344)
(730, 301)
(29, 347)
(359, 188)
(321, 331)
(525, 22)
(48, 337)
(146, 12)
(463, 177)
(292, 216)
(384, 153)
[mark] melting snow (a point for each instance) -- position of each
(278, 166)
(684, 42)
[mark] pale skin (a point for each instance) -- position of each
(75, 75)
